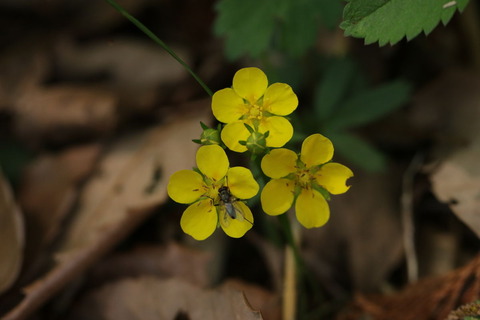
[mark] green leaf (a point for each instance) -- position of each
(333, 87)
(251, 26)
(370, 105)
(358, 151)
(302, 19)
(388, 21)
(300, 26)
(247, 25)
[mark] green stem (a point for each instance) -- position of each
(303, 272)
(157, 40)
(291, 241)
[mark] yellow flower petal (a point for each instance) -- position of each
(250, 84)
(241, 183)
(227, 106)
(279, 99)
(236, 228)
(316, 150)
(234, 132)
(185, 186)
(200, 219)
(333, 177)
(281, 130)
(312, 209)
(277, 196)
(212, 161)
(279, 163)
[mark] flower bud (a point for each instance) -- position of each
(257, 142)
(210, 136)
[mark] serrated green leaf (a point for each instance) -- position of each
(358, 151)
(247, 25)
(332, 88)
(370, 105)
(389, 21)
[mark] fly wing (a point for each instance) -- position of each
(238, 211)
(223, 216)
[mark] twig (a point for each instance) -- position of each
(289, 306)
(407, 217)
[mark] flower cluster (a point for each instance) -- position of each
(253, 114)
(201, 189)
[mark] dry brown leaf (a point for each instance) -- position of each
(362, 238)
(457, 182)
(12, 237)
(432, 298)
(171, 260)
(118, 197)
(150, 298)
(137, 69)
(130, 62)
(23, 66)
(268, 303)
(450, 106)
(49, 188)
(60, 112)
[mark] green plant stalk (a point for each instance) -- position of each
(157, 40)
(291, 241)
(290, 279)
(302, 271)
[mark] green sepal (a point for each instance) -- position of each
(322, 191)
(204, 126)
(249, 128)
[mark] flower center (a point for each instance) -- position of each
(304, 178)
(255, 111)
(211, 190)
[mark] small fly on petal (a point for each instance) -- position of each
(229, 208)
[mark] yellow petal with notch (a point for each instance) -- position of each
(333, 177)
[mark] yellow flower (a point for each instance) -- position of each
(201, 188)
(304, 180)
(251, 101)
